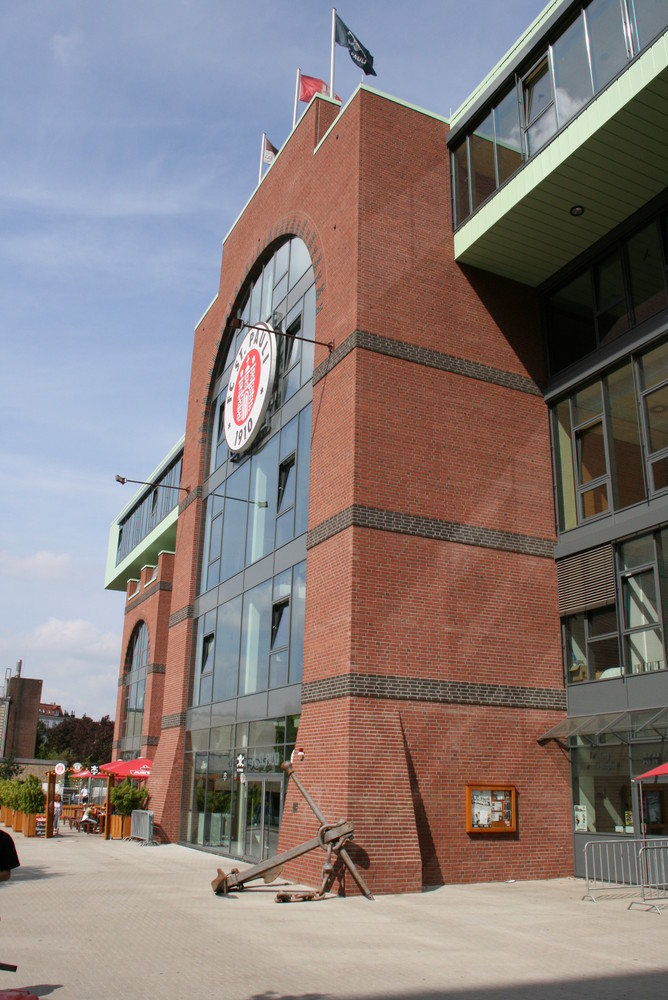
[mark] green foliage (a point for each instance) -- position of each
(81, 740)
(32, 797)
(126, 797)
(40, 741)
(14, 794)
(5, 791)
(8, 766)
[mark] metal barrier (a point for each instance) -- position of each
(615, 864)
(141, 825)
(653, 861)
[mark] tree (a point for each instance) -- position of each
(82, 740)
(8, 766)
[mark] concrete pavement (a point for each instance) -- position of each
(86, 919)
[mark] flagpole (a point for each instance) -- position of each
(294, 113)
(331, 61)
(264, 139)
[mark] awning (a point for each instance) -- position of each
(626, 726)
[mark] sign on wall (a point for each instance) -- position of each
(491, 809)
(249, 389)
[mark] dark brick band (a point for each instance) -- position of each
(433, 691)
(181, 615)
(426, 357)
(357, 516)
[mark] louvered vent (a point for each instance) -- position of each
(586, 581)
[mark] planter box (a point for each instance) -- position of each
(9, 817)
(18, 821)
(29, 824)
(121, 827)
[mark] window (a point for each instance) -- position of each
(134, 684)
(540, 118)
(598, 455)
(642, 613)
(572, 68)
(592, 645)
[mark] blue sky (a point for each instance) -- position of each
(129, 143)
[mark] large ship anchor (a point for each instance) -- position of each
(331, 838)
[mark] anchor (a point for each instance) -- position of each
(331, 837)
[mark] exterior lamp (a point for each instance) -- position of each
(238, 324)
(577, 210)
(165, 486)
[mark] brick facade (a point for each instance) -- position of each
(432, 652)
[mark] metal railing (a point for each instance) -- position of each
(653, 860)
(617, 864)
(141, 825)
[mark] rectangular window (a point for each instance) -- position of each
(460, 183)
(508, 136)
(607, 40)
(642, 613)
(540, 119)
(602, 788)
(592, 646)
(572, 76)
(483, 171)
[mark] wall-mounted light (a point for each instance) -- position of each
(165, 486)
(140, 482)
(238, 324)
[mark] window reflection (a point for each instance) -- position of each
(582, 59)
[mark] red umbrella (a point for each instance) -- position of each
(656, 772)
(138, 768)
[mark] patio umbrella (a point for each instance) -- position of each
(656, 772)
(138, 768)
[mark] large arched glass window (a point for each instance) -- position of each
(134, 688)
(256, 502)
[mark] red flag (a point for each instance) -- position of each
(310, 85)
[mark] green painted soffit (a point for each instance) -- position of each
(611, 159)
(161, 539)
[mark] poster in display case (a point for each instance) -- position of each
(491, 809)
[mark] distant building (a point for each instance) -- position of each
(19, 712)
(50, 715)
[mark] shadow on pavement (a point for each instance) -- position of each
(28, 873)
(638, 987)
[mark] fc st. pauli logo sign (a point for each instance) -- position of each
(250, 386)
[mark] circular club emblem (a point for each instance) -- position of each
(250, 387)
(59, 769)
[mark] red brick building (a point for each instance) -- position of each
(375, 580)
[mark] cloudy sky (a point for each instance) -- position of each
(129, 142)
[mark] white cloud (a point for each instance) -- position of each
(41, 565)
(77, 663)
(73, 640)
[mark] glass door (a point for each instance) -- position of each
(263, 814)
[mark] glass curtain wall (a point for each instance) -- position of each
(614, 294)
(626, 637)
(584, 57)
(249, 634)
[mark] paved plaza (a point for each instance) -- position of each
(86, 919)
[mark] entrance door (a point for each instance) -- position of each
(263, 814)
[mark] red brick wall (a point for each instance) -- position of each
(438, 425)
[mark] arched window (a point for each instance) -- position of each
(134, 688)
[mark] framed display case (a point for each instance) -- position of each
(491, 808)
